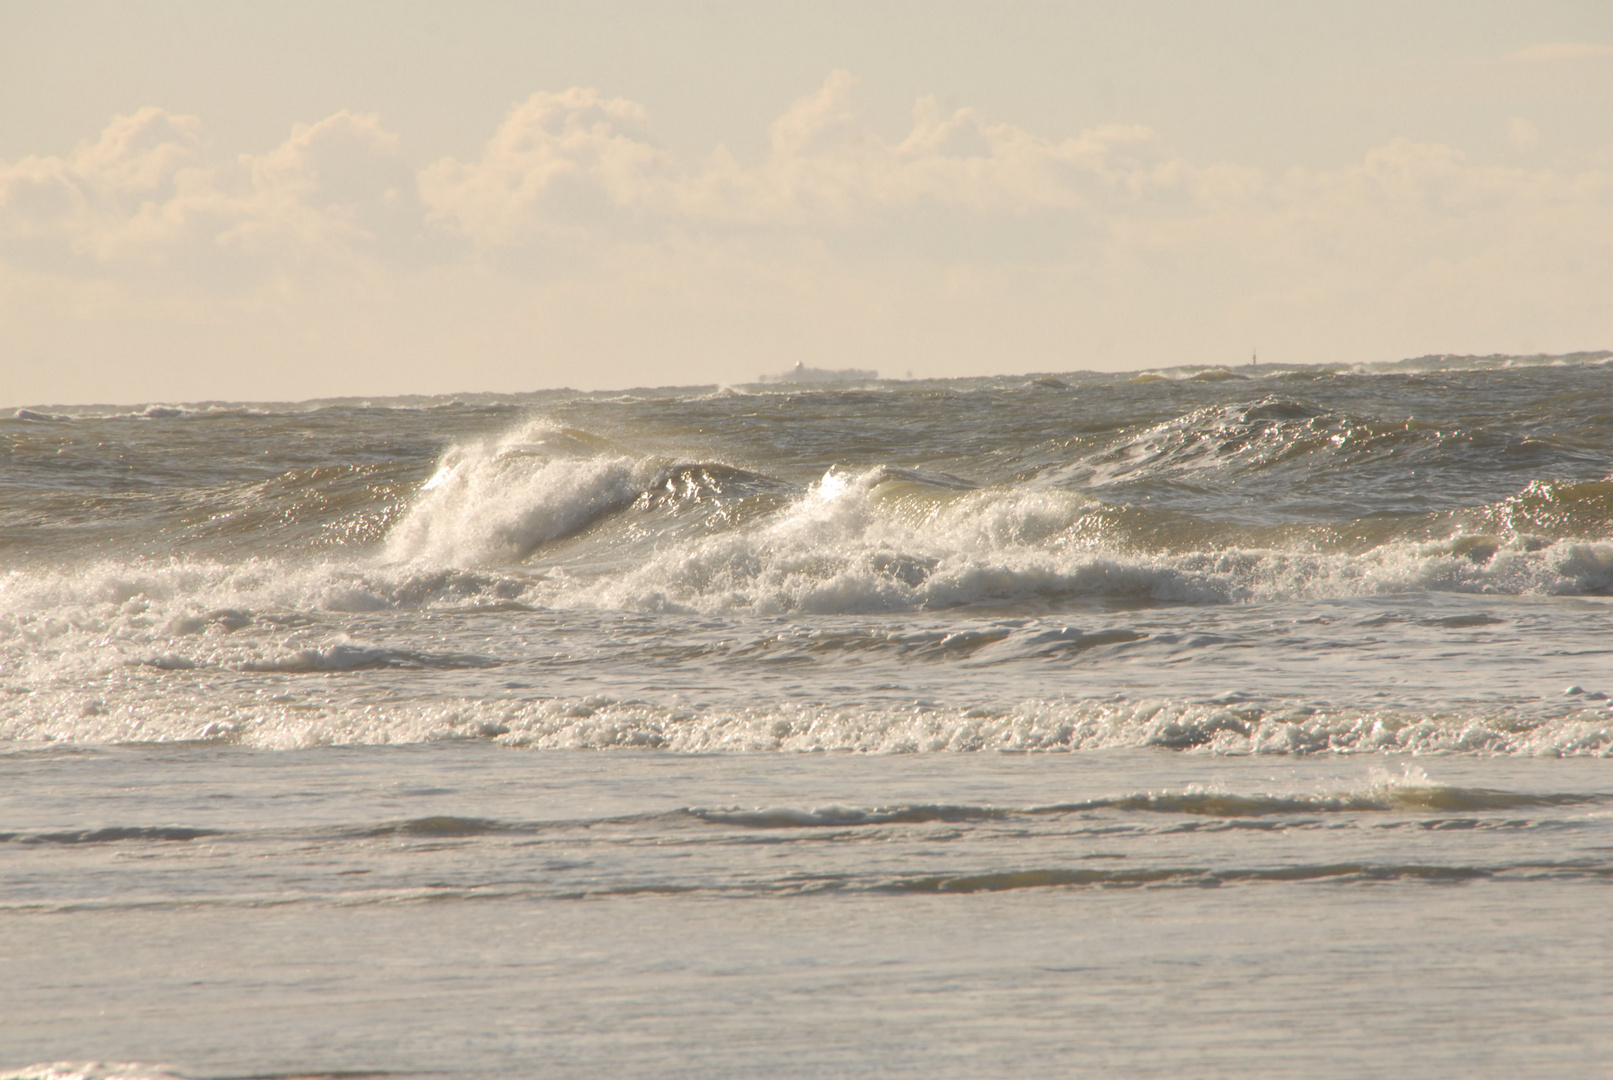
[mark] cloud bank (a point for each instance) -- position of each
(575, 242)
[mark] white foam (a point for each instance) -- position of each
(341, 656)
(874, 542)
(893, 540)
(92, 1070)
(496, 501)
(104, 651)
(868, 543)
(596, 723)
(258, 614)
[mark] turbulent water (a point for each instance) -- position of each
(1232, 602)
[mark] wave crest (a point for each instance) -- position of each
(497, 501)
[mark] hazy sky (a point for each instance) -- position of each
(290, 200)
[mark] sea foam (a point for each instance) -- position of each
(601, 723)
(498, 500)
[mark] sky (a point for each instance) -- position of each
(247, 201)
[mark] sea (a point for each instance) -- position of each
(1200, 722)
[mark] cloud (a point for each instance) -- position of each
(147, 196)
(332, 187)
(959, 189)
(561, 162)
(574, 247)
(1560, 50)
(1522, 133)
(580, 174)
(109, 198)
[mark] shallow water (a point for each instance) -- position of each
(1204, 723)
(458, 909)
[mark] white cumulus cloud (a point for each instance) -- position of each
(573, 244)
(563, 161)
(148, 194)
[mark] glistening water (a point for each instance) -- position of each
(1207, 722)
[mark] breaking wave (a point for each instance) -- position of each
(482, 570)
(713, 537)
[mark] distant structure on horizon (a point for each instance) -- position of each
(800, 373)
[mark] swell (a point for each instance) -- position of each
(1386, 797)
(1409, 794)
(71, 508)
(1277, 459)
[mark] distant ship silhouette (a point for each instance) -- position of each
(800, 373)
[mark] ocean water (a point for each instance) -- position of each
(1203, 722)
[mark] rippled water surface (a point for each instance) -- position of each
(1206, 722)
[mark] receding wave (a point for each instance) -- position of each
(1200, 877)
(348, 657)
(440, 825)
(787, 817)
(1408, 793)
(113, 834)
(132, 1070)
(1384, 797)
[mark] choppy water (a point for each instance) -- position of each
(1234, 603)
